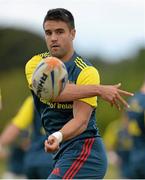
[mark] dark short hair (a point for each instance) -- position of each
(60, 14)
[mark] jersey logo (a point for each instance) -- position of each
(56, 171)
(44, 55)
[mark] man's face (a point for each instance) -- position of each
(59, 38)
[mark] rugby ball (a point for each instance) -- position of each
(49, 78)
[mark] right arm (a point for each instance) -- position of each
(9, 134)
(110, 93)
(20, 122)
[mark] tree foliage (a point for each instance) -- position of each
(17, 46)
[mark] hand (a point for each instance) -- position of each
(112, 94)
(113, 158)
(51, 144)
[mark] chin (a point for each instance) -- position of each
(58, 55)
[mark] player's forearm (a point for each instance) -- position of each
(72, 129)
(110, 93)
(73, 92)
(9, 135)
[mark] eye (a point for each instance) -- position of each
(48, 33)
(60, 31)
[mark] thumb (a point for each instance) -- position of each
(51, 139)
(118, 85)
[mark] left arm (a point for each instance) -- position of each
(79, 123)
(82, 112)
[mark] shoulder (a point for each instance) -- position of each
(28, 102)
(21, 120)
(84, 69)
(81, 63)
(88, 73)
(31, 65)
(35, 60)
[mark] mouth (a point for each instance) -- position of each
(55, 46)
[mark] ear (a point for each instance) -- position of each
(73, 33)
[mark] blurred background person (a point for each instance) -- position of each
(136, 129)
(36, 163)
(118, 144)
(15, 157)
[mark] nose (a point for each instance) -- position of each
(54, 37)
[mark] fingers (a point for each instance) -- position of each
(117, 100)
(118, 97)
(118, 85)
(117, 104)
(48, 146)
(45, 145)
(51, 145)
(122, 91)
(126, 93)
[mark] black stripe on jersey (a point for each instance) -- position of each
(80, 63)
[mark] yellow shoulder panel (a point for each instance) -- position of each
(133, 128)
(25, 115)
(88, 76)
(110, 136)
(30, 67)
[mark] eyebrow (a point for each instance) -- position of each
(55, 29)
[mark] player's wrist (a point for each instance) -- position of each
(58, 135)
(98, 89)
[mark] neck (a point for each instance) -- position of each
(68, 56)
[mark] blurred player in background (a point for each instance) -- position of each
(36, 163)
(136, 117)
(71, 126)
(119, 144)
(14, 157)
